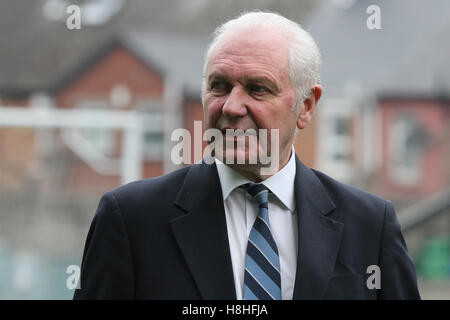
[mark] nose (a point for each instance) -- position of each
(235, 104)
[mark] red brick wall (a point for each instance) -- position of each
(431, 115)
(118, 67)
(7, 102)
(16, 151)
(17, 154)
(193, 111)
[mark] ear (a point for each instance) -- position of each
(309, 105)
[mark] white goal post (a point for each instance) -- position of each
(130, 122)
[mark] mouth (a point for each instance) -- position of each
(237, 132)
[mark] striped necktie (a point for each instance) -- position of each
(262, 280)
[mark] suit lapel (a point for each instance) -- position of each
(318, 237)
(201, 232)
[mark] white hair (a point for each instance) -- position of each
(304, 54)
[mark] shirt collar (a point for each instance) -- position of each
(281, 184)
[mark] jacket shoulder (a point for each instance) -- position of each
(352, 199)
(155, 191)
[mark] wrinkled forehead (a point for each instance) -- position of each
(250, 42)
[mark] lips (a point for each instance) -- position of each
(237, 132)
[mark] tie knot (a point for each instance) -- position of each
(257, 190)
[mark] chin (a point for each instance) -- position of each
(237, 157)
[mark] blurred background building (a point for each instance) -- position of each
(83, 111)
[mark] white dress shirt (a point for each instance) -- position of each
(241, 214)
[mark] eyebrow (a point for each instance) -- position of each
(247, 80)
(218, 76)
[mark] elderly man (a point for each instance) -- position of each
(229, 229)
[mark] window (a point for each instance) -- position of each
(335, 138)
(407, 142)
(152, 111)
(153, 146)
(340, 148)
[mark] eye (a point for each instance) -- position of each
(254, 88)
(219, 86)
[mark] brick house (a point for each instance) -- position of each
(384, 120)
(381, 124)
(144, 72)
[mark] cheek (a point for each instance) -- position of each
(212, 110)
(274, 115)
(288, 115)
(289, 100)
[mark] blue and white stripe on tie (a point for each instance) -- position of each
(262, 280)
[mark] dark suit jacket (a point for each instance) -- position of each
(166, 238)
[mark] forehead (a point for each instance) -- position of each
(245, 52)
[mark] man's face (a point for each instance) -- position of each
(248, 87)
